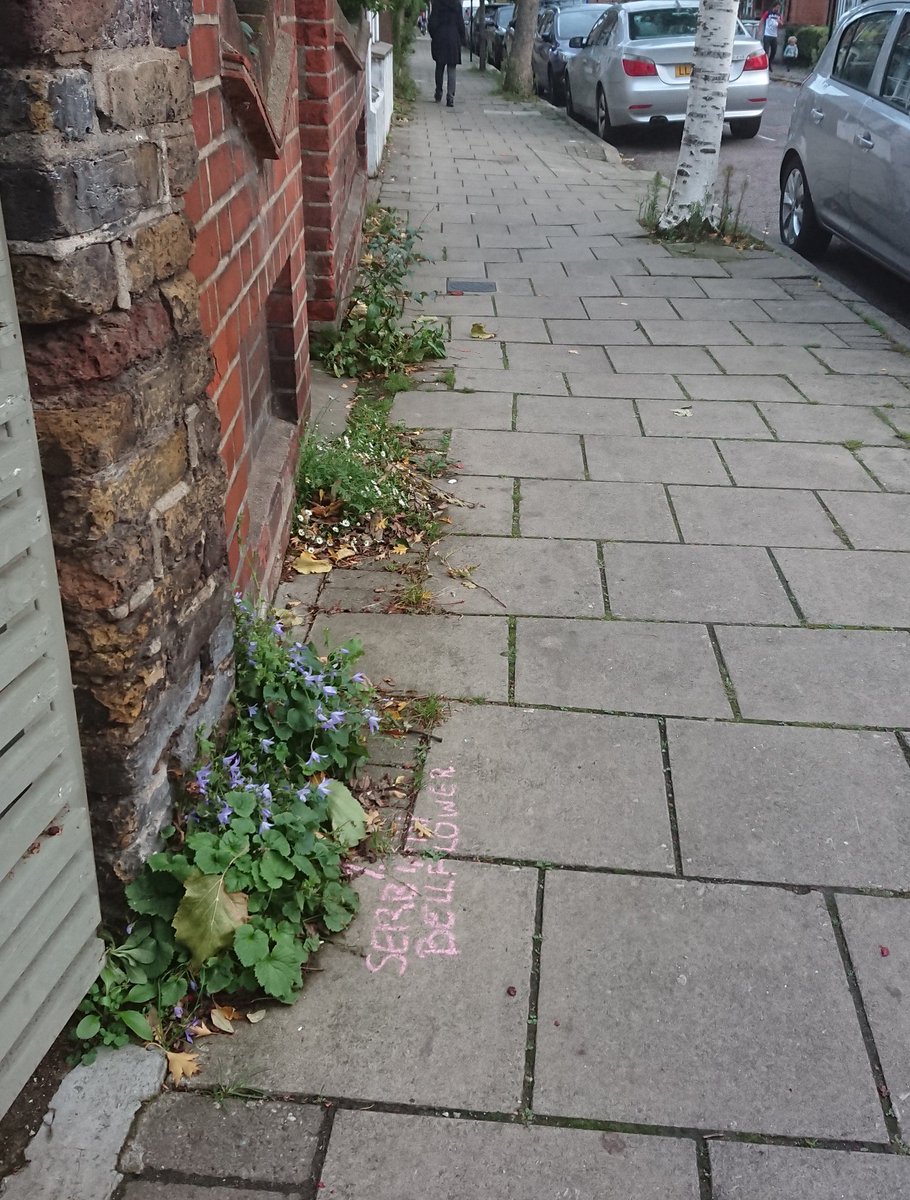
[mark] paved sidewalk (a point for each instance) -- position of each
(668, 954)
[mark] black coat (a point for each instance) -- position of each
(447, 32)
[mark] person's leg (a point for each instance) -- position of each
(450, 85)
(772, 51)
(440, 70)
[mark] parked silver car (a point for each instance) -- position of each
(846, 169)
(634, 68)
(551, 50)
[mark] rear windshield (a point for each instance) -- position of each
(504, 15)
(663, 23)
(577, 22)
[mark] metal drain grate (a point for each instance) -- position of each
(470, 285)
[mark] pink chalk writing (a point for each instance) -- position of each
(416, 911)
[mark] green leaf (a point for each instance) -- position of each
(207, 916)
(136, 1023)
(154, 894)
(279, 972)
(88, 1027)
(250, 945)
(275, 870)
(348, 822)
(141, 993)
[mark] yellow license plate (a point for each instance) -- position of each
(683, 69)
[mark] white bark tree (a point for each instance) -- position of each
(692, 190)
(517, 67)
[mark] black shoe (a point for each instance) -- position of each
(438, 97)
(450, 101)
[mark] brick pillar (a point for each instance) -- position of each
(96, 151)
(333, 151)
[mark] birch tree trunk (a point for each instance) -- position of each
(517, 72)
(692, 190)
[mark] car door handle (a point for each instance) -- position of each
(865, 141)
(817, 115)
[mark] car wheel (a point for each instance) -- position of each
(745, 127)
(799, 227)
(603, 115)
(570, 107)
(553, 88)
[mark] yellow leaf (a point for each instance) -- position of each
(342, 553)
(469, 584)
(399, 549)
(182, 1066)
(219, 1019)
(420, 829)
(255, 1017)
(200, 1030)
(308, 564)
(480, 332)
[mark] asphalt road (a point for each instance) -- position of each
(756, 164)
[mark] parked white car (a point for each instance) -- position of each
(634, 69)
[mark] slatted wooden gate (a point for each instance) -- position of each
(49, 949)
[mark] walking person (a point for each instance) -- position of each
(770, 26)
(447, 36)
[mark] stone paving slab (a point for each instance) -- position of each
(827, 423)
(491, 501)
(411, 1004)
(547, 455)
(523, 576)
(837, 676)
(752, 517)
(654, 460)
(395, 1157)
(686, 1004)
(801, 806)
(866, 362)
(795, 465)
(834, 389)
(609, 511)
(519, 329)
(619, 667)
(484, 379)
(696, 583)
(561, 414)
(744, 1172)
(596, 333)
(657, 387)
(608, 810)
(655, 359)
(864, 588)
(872, 521)
(821, 311)
(453, 410)
(872, 924)
(582, 357)
(148, 1190)
(538, 306)
(692, 418)
(728, 309)
(771, 333)
(693, 333)
(452, 656)
(744, 289)
(751, 388)
(633, 309)
(777, 360)
(648, 285)
(890, 467)
(262, 1141)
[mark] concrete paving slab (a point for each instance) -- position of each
(827, 423)
(491, 501)
(657, 387)
(743, 1172)
(871, 926)
(776, 360)
(654, 460)
(696, 583)
(452, 656)
(486, 379)
(519, 329)
(610, 807)
(260, 1141)
(744, 289)
(145, 1189)
(866, 587)
(647, 360)
(693, 333)
(699, 419)
(698, 268)
(795, 465)
(836, 676)
(636, 512)
(890, 467)
(866, 362)
(834, 389)
(596, 333)
(648, 285)
(749, 388)
(728, 309)
(74, 1153)
(390, 1157)
(584, 357)
(558, 414)
(411, 1004)
(821, 310)
(538, 306)
(525, 576)
(771, 333)
(685, 1004)
(800, 806)
(872, 521)
(453, 410)
(547, 455)
(636, 308)
(625, 667)
(752, 517)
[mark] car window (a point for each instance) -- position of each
(544, 23)
(604, 31)
(896, 84)
(859, 48)
(663, 23)
(576, 22)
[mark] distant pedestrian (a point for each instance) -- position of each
(422, 21)
(770, 27)
(791, 51)
(447, 36)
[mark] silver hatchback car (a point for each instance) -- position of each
(846, 169)
(635, 64)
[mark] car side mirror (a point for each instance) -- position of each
(577, 43)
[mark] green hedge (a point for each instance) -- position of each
(811, 40)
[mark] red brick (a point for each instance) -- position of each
(318, 60)
(221, 171)
(200, 119)
(205, 52)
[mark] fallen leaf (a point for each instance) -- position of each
(469, 584)
(232, 1014)
(421, 829)
(342, 553)
(399, 549)
(200, 1030)
(255, 1017)
(182, 1066)
(480, 332)
(220, 1020)
(207, 916)
(308, 564)
(574, 351)
(682, 412)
